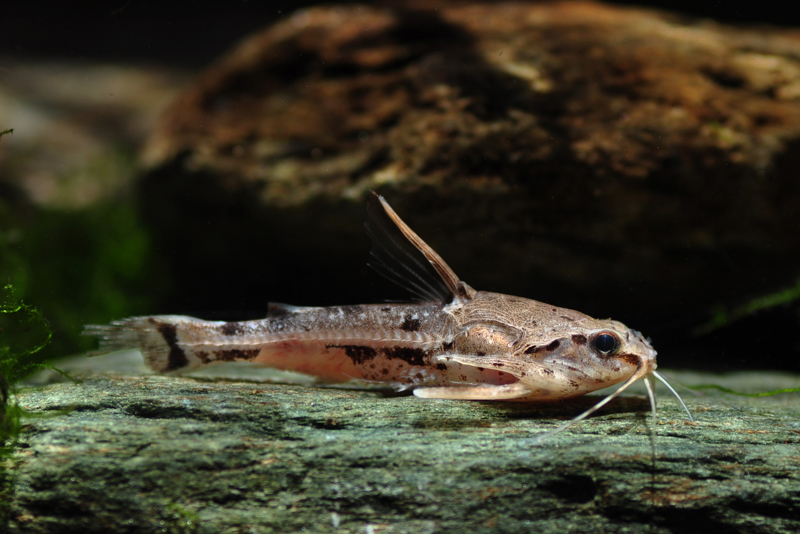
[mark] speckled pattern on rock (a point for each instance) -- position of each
(166, 454)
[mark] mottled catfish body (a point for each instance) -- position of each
(456, 343)
(388, 343)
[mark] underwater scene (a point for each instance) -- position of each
(400, 266)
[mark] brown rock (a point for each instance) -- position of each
(621, 161)
(76, 128)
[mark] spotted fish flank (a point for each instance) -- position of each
(455, 343)
(358, 353)
(231, 329)
(411, 324)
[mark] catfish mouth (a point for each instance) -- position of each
(644, 370)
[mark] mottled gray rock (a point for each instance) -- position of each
(171, 454)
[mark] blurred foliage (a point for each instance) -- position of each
(77, 265)
(729, 391)
(723, 316)
(84, 266)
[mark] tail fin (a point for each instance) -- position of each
(155, 337)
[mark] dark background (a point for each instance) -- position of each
(190, 34)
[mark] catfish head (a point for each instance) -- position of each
(553, 353)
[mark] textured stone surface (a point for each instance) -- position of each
(620, 161)
(169, 454)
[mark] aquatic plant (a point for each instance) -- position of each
(23, 334)
(724, 316)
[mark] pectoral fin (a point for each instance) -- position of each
(532, 375)
(488, 392)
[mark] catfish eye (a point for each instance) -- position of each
(605, 343)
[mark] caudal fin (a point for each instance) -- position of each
(155, 337)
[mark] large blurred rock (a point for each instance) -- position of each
(622, 161)
(77, 127)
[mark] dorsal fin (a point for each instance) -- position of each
(277, 309)
(401, 256)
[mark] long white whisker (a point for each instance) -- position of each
(663, 381)
(652, 397)
(648, 385)
(636, 376)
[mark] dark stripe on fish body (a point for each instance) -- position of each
(409, 355)
(551, 347)
(177, 358)
(357, 353)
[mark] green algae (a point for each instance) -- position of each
(23, 334)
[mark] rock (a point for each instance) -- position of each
(170, 454)
(77, 127)
(620, 161)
